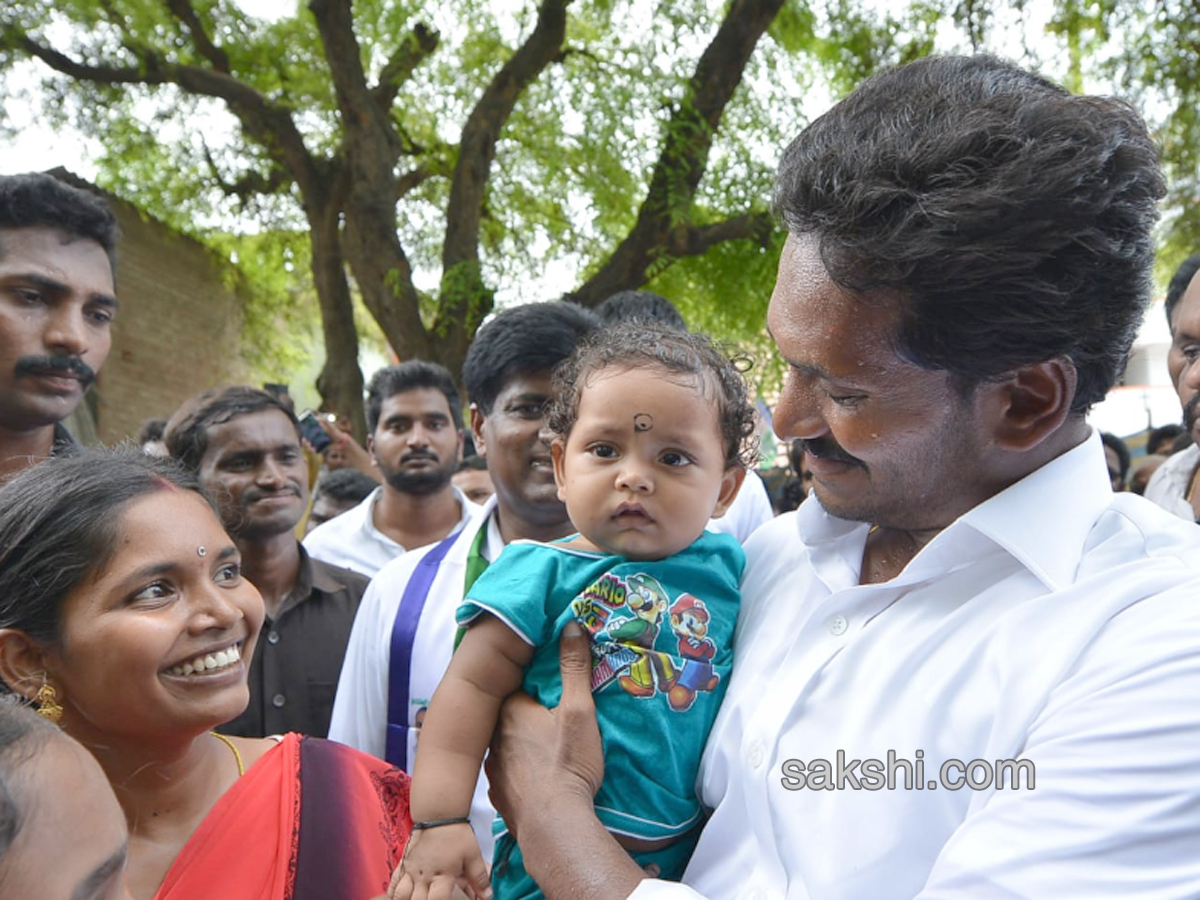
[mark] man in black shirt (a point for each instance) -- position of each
(245, 446)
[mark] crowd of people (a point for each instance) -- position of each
(560, 599)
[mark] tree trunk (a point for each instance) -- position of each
(341, 380)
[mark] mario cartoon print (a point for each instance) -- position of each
(652, 671)
(689, 622)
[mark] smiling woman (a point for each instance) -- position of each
(124, 616)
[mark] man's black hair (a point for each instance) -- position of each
(186, 436)
(522, 340)
(37, 200)
(1121, 449)
(641, 306)
(1011, 221)
(473, 463)
(151, 430)
(1179, 284)
(1162, 438)
(344, 486)
(409, 376)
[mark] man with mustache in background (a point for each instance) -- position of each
(245, 447)
(414, 416)
(1173, 486)
(57, 303)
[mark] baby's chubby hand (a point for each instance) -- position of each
(436, 861)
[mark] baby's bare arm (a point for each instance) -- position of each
(487, 667)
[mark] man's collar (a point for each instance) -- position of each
(307, 579)
(64, 444)
(1045, 518)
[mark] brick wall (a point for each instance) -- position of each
(178, 329)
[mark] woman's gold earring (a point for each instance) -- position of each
(47, 701)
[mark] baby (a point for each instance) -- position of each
(653, 432)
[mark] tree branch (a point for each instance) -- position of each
(477, 148)
(685, 149)
(696, 240)
(335, 24)
(413, 179)
(270, 125)
(183, 11)
(418, 45)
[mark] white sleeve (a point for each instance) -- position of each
(1116, 749)
(361, 706)
(654, 889)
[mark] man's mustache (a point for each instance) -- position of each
(419, 454)
(253, 495)
(56, 365)
(828, 449)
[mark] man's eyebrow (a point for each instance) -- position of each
(54, 286)
(106, 300)
(240, 456)
(802, 368)
(89, 888)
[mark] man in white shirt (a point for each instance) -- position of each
(1173, 486)
(411, 635)
(966, 600)
(415, 418)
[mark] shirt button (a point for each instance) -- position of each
(273, 637)
(278, 700)
(756, 894)
(838, 625)
(755, 755)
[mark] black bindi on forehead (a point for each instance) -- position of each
(643, 422)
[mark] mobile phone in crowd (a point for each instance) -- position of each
(311, 430)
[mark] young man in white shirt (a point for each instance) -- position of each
(415, 418)
(968, 260)
(402, 640)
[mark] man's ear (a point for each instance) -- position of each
(477, 419)
(731, 483)
(371, 450)
(22, 662)
(1035, 401)
(557, 453)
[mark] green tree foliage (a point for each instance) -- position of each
(429, 152)
(427, 157)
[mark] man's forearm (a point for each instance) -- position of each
(572, 857)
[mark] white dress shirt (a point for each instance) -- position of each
(1169, 485)
(1056, 623)
(361, 707)
(352, 541)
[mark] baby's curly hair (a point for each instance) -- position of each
(643, 346)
